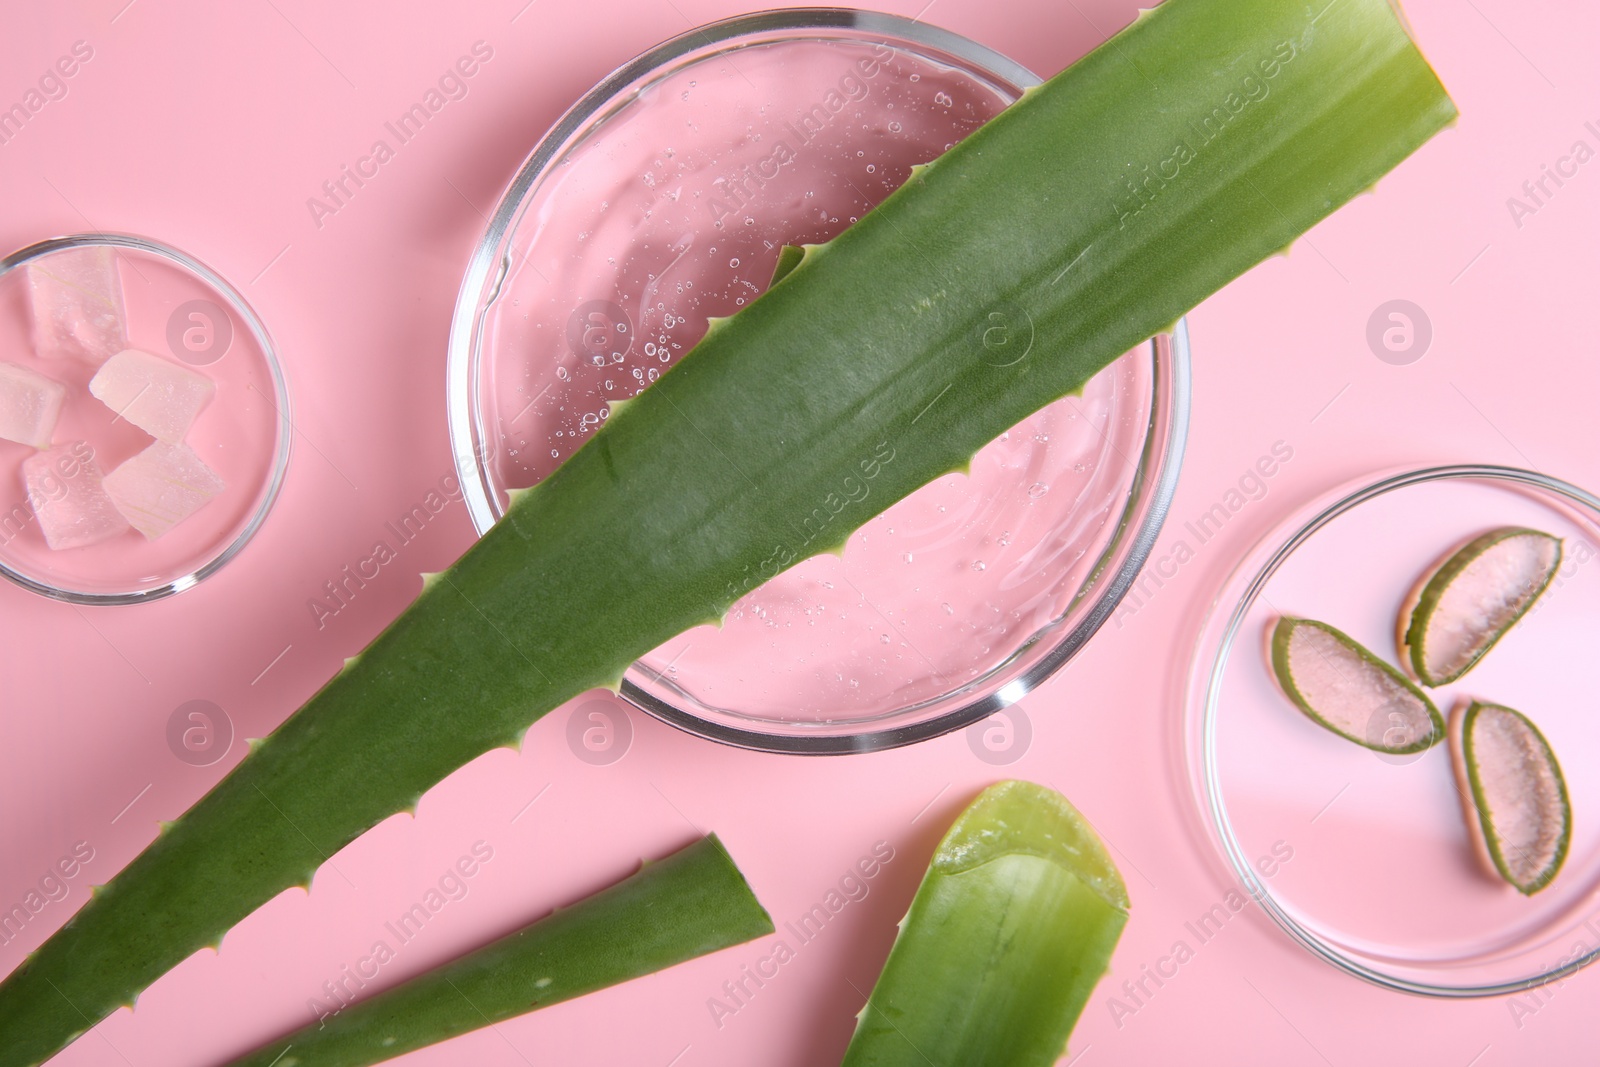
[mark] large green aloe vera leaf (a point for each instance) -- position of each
(1000, 278)
(1013, 925)
(692, 902)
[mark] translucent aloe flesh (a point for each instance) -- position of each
(1012, 926)
(1515, 797)
(1343, 687)
(693, 902)
(1076, 224)
(1461, 609)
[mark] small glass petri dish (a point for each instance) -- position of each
(201, 482)
(664, 197)
(1363, 857)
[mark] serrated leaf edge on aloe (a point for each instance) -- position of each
(1417, 614)
(1013, 925)
(1280, 648)
(1477, 806)
(756, 451)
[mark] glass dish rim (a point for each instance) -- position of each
(1143, 512)
(1208, 663)
(282, 449)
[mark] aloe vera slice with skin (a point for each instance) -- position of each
(1514, 796)
(1341, 686)
(1013, 925)
(1086, 217)
(692, 902)
(1461, 609)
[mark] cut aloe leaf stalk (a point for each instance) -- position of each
(1013, 925)
(1342, 686)
(1514, 796)
(1463, 606)
(1089, 216)
(693, 902)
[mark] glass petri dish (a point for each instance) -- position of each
(664, 197)
(1364, 858)
(191, 323)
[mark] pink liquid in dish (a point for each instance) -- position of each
(675, 210)
(237, 434)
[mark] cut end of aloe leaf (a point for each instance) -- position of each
(673, 909)
(1345, 688)
(1013, 925)
(1462, 607)
(1016, 817)
(1516, 799)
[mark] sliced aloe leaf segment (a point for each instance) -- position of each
(692, 902)
(1013, 925)
(1517, 808)
(1340, 685)
(1468, 602)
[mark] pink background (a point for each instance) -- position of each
(209, 129)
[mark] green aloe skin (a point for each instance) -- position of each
(1380, 737)
(1076, 224)
(1531, 864)
(1414, 634)
(693, 902)
(1012, 926)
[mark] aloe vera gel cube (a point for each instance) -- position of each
(162, 486)
(66, 491)
(76, 299)
(30, 403)
(155, 394)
